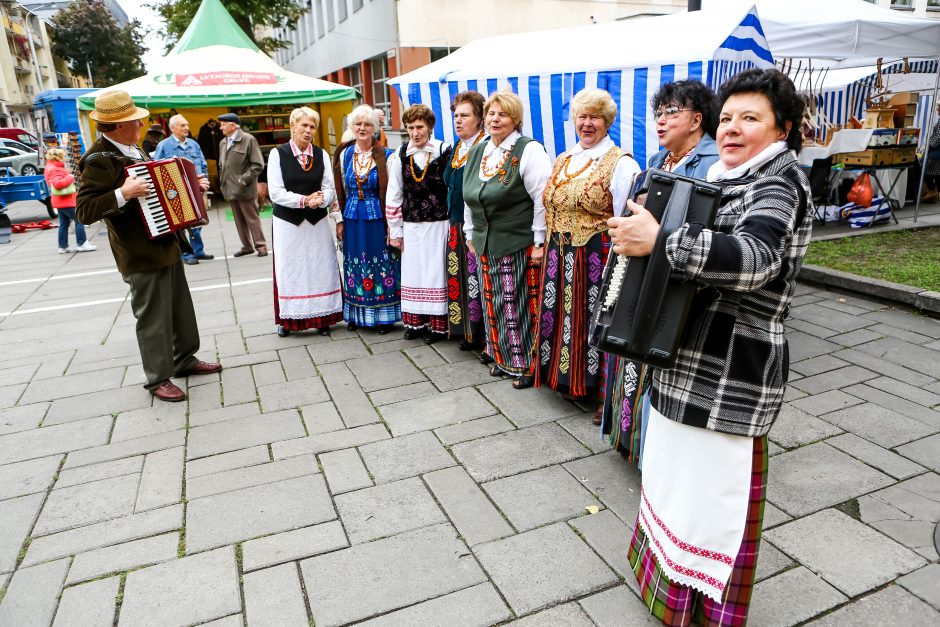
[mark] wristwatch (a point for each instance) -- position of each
(539, 244)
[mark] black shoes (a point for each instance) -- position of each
(434, 338)
(282, 331)
(205, 257)
(190, 261)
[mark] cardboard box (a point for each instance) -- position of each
(908, 136)
(872, 156)
(905, 155)
(883, 137)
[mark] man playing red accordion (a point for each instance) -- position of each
(167, 333)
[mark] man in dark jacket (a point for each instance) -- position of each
(240, 163)
(167, 333)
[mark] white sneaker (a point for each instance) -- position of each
(62, 251)
(86, 247)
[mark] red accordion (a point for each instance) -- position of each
(176, 202)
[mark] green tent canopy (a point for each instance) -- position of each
(215, 64)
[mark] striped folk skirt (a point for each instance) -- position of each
(571, 283)
(510, 303)
(464, 305)
(625, 397)
(371, 283)
(677, 605)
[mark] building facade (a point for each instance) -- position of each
(361, 43)
(917, 8)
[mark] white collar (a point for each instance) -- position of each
(128, 150)
(720, 172)
(506, 144)
(181, 143)
(432, 147)
(357, 150)
(597, 150)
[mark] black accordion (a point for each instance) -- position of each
(642, 309)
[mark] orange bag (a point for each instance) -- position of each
(861, 192)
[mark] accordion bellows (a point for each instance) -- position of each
(176, 201)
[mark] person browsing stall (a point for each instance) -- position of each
(167, 331)
(180, 144)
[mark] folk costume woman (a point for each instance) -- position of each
(416, 211)
(696, 540)
(504, 223)
(686, 118)
(465, 306)
(307, 290)
(372, 271)
(587, 184)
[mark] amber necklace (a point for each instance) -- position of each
(563, 171)
(305, 163)
(424, 171)
(361, 178)
(458, 162)
(499, 166)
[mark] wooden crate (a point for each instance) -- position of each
(905, 155)
(872, 156)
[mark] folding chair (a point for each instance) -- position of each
(820, 180)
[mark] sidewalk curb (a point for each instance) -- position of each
(921, 299)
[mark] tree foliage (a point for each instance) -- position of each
(249, 14)
(86, 33)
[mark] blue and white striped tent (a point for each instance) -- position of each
(629, 59)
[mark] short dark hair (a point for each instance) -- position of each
(107, 127)
(419, 112)
(693, 95)
(785, 102)
(474, 98)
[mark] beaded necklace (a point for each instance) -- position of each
(424, 171)
(458, 162)
(305, 164)
(363, 177)
(499, 166)
(563, 171)
(672, 160)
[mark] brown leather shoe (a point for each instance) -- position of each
(201, 367)
(169, 392)
(262, 253)
(242, 253)
(598, 416)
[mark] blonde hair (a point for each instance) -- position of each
(509, 102)
(596, 101)
(55, 154)
(304, 112)
(365, 113)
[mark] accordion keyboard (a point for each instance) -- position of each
(151, 209)
(616, 281)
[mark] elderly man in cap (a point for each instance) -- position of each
(167, 333)
(179, 144)
(240, 163)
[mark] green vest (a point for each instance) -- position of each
(501, 207)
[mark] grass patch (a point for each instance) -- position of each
(906, 257)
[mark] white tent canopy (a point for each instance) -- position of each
(841, 33)
(630, 59)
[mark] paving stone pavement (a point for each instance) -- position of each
(366, 479)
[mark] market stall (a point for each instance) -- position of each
(216, 68)
(627, 58)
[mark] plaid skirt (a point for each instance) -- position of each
(510, 303)
(676, 605)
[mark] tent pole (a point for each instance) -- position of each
(931, 121)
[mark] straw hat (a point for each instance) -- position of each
(116, 106)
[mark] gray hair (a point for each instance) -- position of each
(364, 113)
(176, 119)
(304, 112)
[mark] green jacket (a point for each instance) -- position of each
(102, 172)
(501, 208)
(239, 166)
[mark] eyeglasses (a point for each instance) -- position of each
(668, 112)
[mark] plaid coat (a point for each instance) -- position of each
(733, 358)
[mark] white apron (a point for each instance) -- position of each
(423, 268)
(306, 270)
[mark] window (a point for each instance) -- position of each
(357, 4)
(355, 80)
(933, 5)
(380, 99)
(902, 4)
(439, 53)
(330, 17)
(341, 8)
(318, 9)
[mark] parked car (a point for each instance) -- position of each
(22, 163)
(20, 135)
(15, 145)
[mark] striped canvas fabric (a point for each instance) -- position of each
(547, 96)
